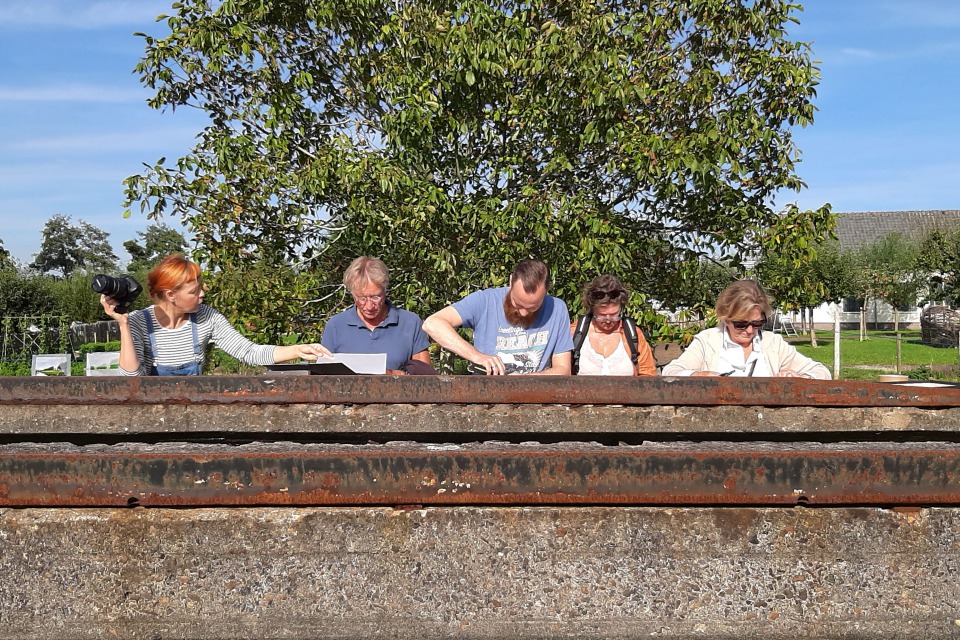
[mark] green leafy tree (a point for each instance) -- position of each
(816, 274)
(453, 139)
(23, 295)
(698, 286)
(940, 257)
(893, 273)
(157, 241)
(5, 261)
(836, 268)
(76, 301)
(789, 265)
(69, 247)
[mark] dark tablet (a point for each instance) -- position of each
(313, 369)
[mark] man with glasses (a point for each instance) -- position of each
(374, 325)
(738, 347)
(516, 329)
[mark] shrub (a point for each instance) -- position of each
(97, 347)
(15, 369)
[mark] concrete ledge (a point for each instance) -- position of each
(465, 421)
(479, 573)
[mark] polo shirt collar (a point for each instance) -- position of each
(393, 317)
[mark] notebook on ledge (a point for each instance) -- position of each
(341, 364)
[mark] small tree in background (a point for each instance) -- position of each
(5, 261)
(69, 247)
(158, 241)
(894, 274)
(22, 295)
(788, 266)
(939, 256)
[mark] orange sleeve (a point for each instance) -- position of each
(645, 364)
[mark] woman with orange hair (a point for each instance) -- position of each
(170, 337)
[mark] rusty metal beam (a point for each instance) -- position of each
(577, 474)
(274, 389)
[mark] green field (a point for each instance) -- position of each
(878, 354)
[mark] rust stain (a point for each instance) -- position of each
(888, 475)
(772, 392)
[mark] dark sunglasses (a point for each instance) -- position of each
(743, 324)
(601, 295)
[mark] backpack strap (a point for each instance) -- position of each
(630, 329)
(583, 325)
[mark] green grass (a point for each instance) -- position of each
(878, 354)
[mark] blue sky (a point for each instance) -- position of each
(75, 121)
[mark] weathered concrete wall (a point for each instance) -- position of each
(465, 420)
(479, 573)
(470, 571)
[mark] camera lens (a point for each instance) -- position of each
(109, 286)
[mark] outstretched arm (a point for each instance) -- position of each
(310, 351)
(442, 327)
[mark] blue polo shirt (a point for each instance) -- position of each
(400, 335)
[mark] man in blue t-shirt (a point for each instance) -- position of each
(516, 329)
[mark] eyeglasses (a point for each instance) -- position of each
(608, 318)
(743, 324)
(364, 299)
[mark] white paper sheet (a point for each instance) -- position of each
(375, 363)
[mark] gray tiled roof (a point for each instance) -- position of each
(858, 229)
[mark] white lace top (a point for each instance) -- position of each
(593, 364)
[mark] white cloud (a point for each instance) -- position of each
(860, 54)
(94, 142)
(80, 14)
(72, 93)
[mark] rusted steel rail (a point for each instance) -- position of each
(418, 474)
(285, 389)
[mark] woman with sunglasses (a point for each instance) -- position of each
(605, 342)
(737, 346)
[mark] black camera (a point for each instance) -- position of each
(124, 290)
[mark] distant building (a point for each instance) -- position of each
(856, 230)
(860, 229)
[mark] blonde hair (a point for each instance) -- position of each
(739, 299)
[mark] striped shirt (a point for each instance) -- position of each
(175, 346)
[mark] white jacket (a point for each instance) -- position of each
(704, 352)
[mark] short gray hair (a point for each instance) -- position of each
(363, 270)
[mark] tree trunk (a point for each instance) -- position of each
(896, 328)
(813, 331)
(863, 320)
